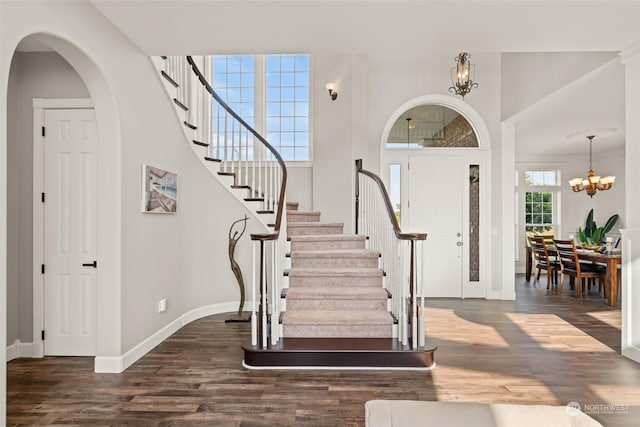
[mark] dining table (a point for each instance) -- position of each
(610, 259)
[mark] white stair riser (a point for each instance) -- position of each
(334, 262)
(338, 331)
(327, 245)
(334, 304)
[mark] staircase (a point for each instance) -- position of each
(335, 283)
(333, 306)
(336, 309)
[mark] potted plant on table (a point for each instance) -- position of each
(591, 235)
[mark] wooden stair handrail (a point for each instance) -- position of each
(283, 166)
(387, 201)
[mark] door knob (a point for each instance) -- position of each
(459, 243)
(93, 264)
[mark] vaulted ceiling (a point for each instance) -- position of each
(380, 26)
(405, 28)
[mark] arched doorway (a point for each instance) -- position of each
(107, 222)
(435, 157)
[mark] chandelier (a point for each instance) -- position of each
(593, 181)
(462, 75)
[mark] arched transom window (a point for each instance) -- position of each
(431, 125)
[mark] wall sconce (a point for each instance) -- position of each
(333, 93)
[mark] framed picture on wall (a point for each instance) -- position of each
(159, 190)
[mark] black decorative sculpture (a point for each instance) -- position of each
(233, 241)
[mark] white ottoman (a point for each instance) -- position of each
(409, 413)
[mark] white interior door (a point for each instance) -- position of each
(435, 196)
(70, 211)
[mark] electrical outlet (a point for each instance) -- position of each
(162, 305)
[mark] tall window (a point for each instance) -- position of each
(539, 212)
(233, 80)
(395, 190)
(539, 205)
(278, 85)
(287, 124)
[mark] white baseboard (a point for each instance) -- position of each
(117, 364)
(12, 351)
(632, 353)
(21, 349)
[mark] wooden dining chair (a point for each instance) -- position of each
(543, 261)
(572, 267)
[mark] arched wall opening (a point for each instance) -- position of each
(406, 169)
(108, 320)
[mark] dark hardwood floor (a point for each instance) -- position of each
(539, 349)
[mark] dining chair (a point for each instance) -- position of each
(571, 266)
(543, 261)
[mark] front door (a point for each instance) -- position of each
(435, 196)
(70, 211)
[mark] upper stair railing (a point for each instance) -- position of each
(254, 164)
(376, 219)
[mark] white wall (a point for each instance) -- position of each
(393, 80)
(333, 167)
(33, 75)
(180, 257)
(300, 185)
(529, 77)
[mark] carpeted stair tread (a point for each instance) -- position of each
(296, 212)
(336, 294)
(337, 317)
(292, 206)
(303, 216)
(336, 272)
(325, 237)
(327, 241)
(304, 224)
(313, 228)
(333, 253)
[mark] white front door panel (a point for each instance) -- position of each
(436, 207)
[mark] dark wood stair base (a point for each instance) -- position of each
(338, 353)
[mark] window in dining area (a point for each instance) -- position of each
(539, 201)
(539, 213)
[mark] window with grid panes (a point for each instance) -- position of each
(287, 105)
(539, 203)
(233, 80)
(285, 97)
(539, 212)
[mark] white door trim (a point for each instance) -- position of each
(481, 156)
(39, 107)
(467, 157)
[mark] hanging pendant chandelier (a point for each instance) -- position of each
(593, 182)
(462, 75)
